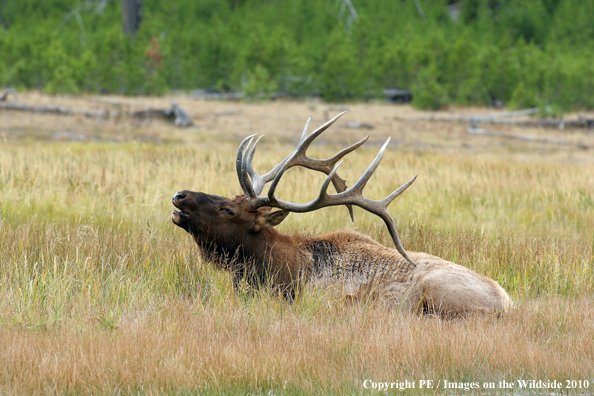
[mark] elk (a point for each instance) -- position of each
(238, 234)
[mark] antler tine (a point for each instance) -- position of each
(367, 174)
(239, 164)
(338, 156)
(246, 166)
(249, 168)
(250, 187)
(324, 188)
(388, 200)
(389, 221)
(277, 177)
(304, 134)
(305, 142)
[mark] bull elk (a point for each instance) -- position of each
(237, 234)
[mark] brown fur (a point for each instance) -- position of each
(246, 243)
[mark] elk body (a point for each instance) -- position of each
(238, 234)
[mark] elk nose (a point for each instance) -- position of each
(178, 196)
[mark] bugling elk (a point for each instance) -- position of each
(237, 234)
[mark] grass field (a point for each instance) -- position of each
(101, 294)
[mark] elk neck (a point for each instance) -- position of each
(266, 253)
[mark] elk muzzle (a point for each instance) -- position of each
(179, 196)
(179, 218)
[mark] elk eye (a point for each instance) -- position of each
(227, 211)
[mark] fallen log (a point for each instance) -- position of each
(178, 115)
(500, 118)
(484, 132)
(48, 109)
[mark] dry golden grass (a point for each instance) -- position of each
(261, 346)
(101, 294)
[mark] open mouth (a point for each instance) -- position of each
(180, 213)
(180, 219)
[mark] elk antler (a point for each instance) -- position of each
(352, 196)
(296, 158)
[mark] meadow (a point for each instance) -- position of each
(101, 294)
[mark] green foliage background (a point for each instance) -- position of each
(526, 53)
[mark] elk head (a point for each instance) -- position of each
(230, 224)
(221, 221)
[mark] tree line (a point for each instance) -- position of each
(525, 53)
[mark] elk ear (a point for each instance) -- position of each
(270, 219)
